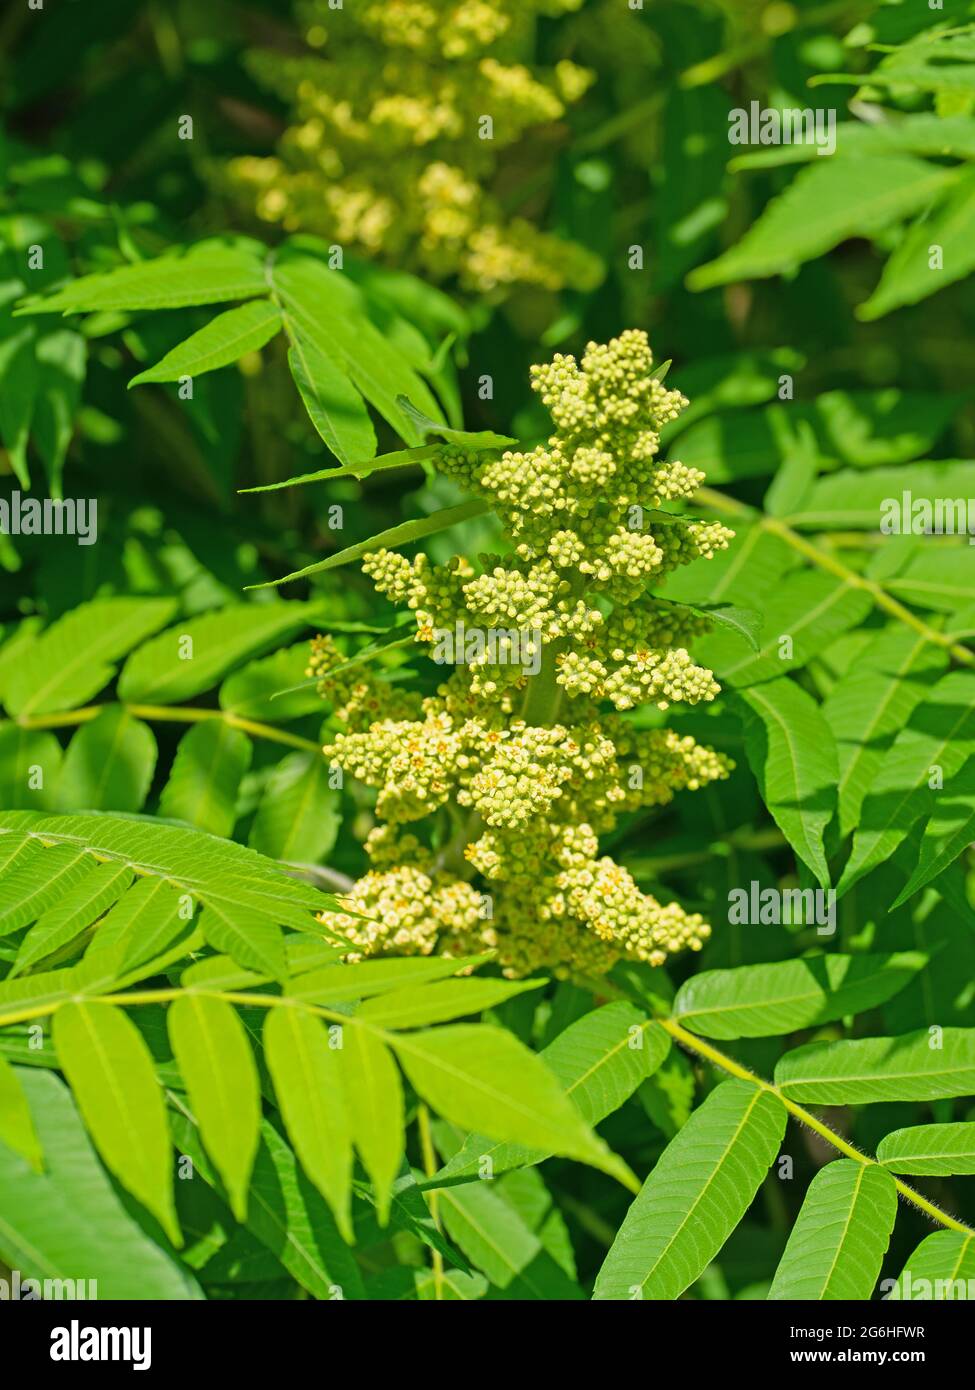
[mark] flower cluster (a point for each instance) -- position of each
(588, 498)
(511, 774)
(409, 911)
(399, 119)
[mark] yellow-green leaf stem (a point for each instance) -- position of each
(175, 714)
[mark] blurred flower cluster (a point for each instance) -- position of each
(401, 118)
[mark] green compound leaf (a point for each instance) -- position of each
(53, 987)
(929, 1065)
(947, 834)
(862, 429)
(909, 275)
(247, 936)
(334, 405)
(286, 1214)
(111, 1073)
(940, 734)
(22, 753)
(423, 1285)
(938, 1151)
(854, 499)
(298, 817)
(745, 622)
(764, 1001)
(810, 608)
(936, 577)
(236, 883)
(60, 362)
(31, 886)
(324, 308)
(252, 692)
(140, 925)
(497, 1241)
(408, 1212)
(333, 984)
(216, 1062)
(226, 338)
(870, 704)
(21, 377)
(399, 458)
(702, 1186)
(925, 133)
(668, 1095)
(840, 1238)
(78, 908)
(468, 439)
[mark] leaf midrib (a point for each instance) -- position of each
(848, 1222)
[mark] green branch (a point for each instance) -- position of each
(727, 1064)
(176, 714)
(168, 996)
(543, 694)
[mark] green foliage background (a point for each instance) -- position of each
(755, 267)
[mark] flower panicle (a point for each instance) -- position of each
(468, 786)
